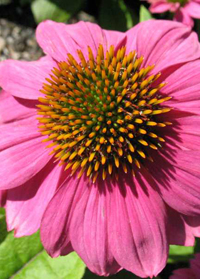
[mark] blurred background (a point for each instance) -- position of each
(18, 19)
(25, 258)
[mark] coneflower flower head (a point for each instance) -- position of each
(102, 143)
(100, 113)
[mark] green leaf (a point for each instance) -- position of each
(144, 14)
(45, 9)
(3, 229)
(68, 267)
(2, 213)
(180, 253)
(58, 10)
(25, 258)
(115, 15)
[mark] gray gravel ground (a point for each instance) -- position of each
(17, 42)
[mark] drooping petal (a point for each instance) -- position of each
(58, 39)
(13, 109)
(180, 232)
(89, 232)
(55, 224)
(171, 44)
(26, 204)
(23, 160)
(78, 213)
(24, 79)
(178, 179)
(137, 226)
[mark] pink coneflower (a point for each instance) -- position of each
(184, 10)
(119, 115)
(189, 273)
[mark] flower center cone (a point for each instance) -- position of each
(101, 113)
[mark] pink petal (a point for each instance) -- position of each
(24, 79)
(55, 224)
(195, 266)
(115, 38)
(169, 43)
(192, 8)
(184, 140)
(181, 82)
(183, 85)
(180, 233)
(160, 7)
(26, 204)
(190, 106)
(193, 223)
(22, 162)
(183, 273)
(90, 34)
(136, 224)
(18, 132)
(185, 92)
(177, 176)
(59, 39)
(89, 231)
(190, 124)
(182, 16)
(18, 108)
(184, 132)
(69, 222)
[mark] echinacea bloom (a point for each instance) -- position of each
(193, 272)
(100, 143)
(184, 10)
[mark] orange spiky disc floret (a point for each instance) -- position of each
(101, 114)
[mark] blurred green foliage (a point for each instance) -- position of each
(110, 14)
(115, 15)
(144, 14)
(118, 15)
